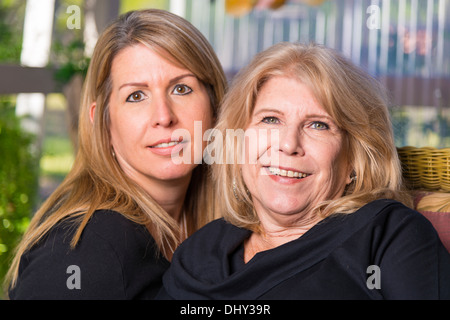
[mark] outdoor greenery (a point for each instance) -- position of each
(57, 150)
(71, 60)
(18, 164)
(18, 182)
(127, 5)
(11, 31)
(11, 27)
(67, 56)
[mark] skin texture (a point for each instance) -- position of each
(307, 141)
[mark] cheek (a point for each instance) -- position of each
(261, 146)
(197, 124)
(196, 113)
(115, 129)
(203, 110)
(126, 128)
(249, 176)
(342, 167)
(334, 162)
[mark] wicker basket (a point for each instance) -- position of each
(426, 168)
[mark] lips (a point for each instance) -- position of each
(288, 173)
(165, 144)
(167, 147)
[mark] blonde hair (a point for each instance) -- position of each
(355, 101)
(435, 202)
(96, 180)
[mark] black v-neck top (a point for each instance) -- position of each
(382, 251)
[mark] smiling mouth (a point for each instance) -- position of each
(287, 173)
(165, 144)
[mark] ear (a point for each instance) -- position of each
(351, 177)
(92, 111)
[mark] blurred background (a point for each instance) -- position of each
(45, 46)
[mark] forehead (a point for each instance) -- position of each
(141, 61)
(288, 94)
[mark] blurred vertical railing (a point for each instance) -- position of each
(413, 38)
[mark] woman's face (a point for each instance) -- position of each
(150, 99)
(299, 157)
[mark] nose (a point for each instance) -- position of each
(162, 112)
(291, 141)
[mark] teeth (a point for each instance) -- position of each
(287, 173)
(166, 144)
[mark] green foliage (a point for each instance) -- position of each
(11, 31)
(18, 182)
(67, 55)
(127, 5)
(69, 60)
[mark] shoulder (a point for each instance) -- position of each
(133, 250)
(397, 230)
(408, 250)
(216, 233)
(130, 242)
(385, 206)
(109, 258)
(384, 226)
(215, 239)
(218, 226)
(392, 218)
(117, 230)
(395, 214)
(106, 229)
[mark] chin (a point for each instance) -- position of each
(285, 206)
(178, 172)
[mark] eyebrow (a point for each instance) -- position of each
(144, 84)
(317, 115)
(265, 110)
(308, 116)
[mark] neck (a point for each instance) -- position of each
(274, 233)
(170, 196)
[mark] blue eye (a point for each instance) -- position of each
(270, 120)
(181, 89)
(319, 125)
(136, 96)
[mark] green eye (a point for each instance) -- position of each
(319, 125)
(270, 120)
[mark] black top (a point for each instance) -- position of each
(114, 259)
(382, 251)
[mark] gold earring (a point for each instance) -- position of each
(235, 190)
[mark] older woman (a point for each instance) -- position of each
(315, 211)
(110, 229)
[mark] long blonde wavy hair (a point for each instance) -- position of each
(96, 180)
(357, 103)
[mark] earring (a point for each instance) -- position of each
(353, 178)
(235, 190)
